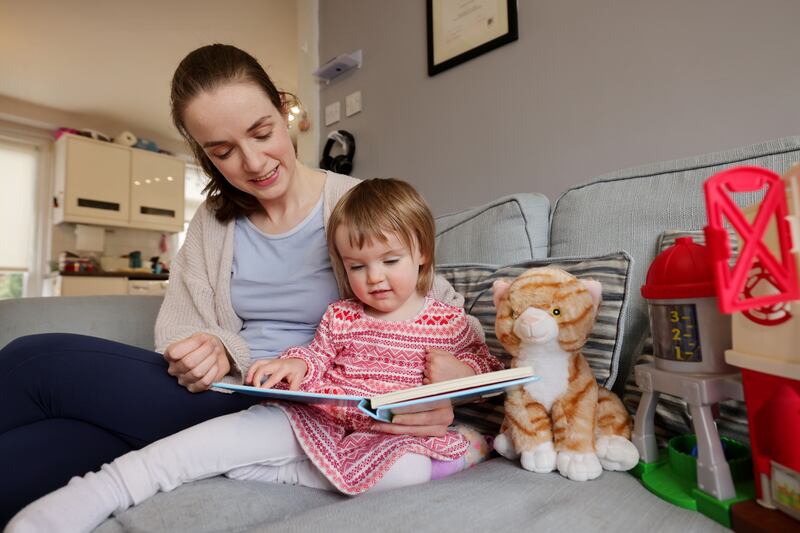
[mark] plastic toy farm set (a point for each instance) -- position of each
(728, 327)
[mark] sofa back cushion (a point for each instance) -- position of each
(507, 230)
(628, 210)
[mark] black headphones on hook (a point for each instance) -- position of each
(341, 164)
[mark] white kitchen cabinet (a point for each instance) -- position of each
(92, 286)
(92, 181)
(103, 285)
(157, 196)
(148, 287)
(113, 185)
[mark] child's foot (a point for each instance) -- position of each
(479, 449)
(480, 446)
(443, 469)
(81, 505)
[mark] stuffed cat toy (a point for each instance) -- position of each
(564, 420)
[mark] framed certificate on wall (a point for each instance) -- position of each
(459, 30)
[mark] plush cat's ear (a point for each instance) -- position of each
(499, 289)
(595, 289)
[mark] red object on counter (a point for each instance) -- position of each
(76, 264)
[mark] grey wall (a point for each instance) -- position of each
(588, 88)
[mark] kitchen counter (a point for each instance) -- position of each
(130, 274)
(103, 283)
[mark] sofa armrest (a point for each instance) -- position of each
(127, 319)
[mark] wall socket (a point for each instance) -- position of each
(333, 113)
(352, 104)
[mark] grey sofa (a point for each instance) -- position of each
(626, 210)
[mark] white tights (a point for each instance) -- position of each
(257, 444)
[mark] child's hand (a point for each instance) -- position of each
(291, 370)
(433, 423)
(441, 366)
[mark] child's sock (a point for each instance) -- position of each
(442, 469)
(478, 451)
(81, 505)
(480, 446)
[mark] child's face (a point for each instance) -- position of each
(383, 276)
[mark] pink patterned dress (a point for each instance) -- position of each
(355, 354)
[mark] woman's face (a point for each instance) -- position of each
(246, 138)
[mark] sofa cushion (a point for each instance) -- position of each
(507, 230)
(628, 209)
(219, 504)
(602, 348)
(496, 495)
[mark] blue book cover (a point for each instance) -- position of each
(420, 399)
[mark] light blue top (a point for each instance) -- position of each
(281, 285)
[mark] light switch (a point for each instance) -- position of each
(333, 112)
(352, 104)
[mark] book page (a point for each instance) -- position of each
(294, 396)
(451, 385)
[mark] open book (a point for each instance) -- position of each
(423, 398)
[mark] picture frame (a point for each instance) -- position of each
(459, 30)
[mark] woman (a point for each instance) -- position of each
(253, 278)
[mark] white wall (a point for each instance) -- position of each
(307, 87)
(589, 87)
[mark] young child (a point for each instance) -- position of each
(390, 336)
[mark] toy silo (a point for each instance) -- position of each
(689, 333)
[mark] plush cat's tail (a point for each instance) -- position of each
(612, 417)
(613, 433)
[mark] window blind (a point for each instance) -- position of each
(196, 181)
(17, 205)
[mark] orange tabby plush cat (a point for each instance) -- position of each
(563, 420)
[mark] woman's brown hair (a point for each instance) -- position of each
(204, 70)
(377, 207)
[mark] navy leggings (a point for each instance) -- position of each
(69, 403)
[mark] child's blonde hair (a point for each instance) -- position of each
(377, 207)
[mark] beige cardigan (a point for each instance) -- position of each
(199, 295)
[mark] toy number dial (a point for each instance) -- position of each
(676, 335)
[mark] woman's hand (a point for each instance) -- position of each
(441, 366)
(197, 361)
(292, 370)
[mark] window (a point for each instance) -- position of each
(196, 181)
(19, 168)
